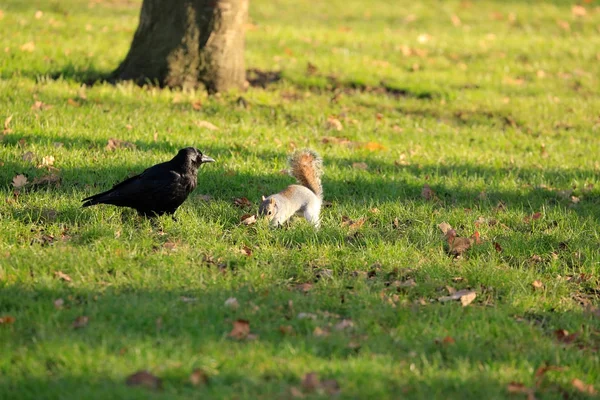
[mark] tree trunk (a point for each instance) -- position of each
(181, 43)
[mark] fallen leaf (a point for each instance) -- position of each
(374, 146)
(58, 303)
(242, 202)
(562, 335)
(7, 320)
(353, 224)
(29, 47)
(541, 371)
(7, 125)
(304, 287)
(39, 105)
(303, 315)
(198, 377)
(144, 379)
(468, 298)
(311, 382)
(319, 332)
(232, 303)
(498, 247)
(62, 276)
(73, 102)
(583, 387)
(458, 245)
(445, 228)
(241, 329)
(448, 340)
(475, 238)
(247, 251)
(344, 324)
(114, 144)
(207, 125)
(28, 156)
(330, 386)
(197, 105)
(248, 219)
(334, 123)
(360, 165)
(286, 329)
(465, 296)
(311, 68)
(47, 161)
(516, 387)
(533, 217)
(406, 284)
(455, 20)
(80, 322)
(427, 193)
(296, 393)
(578, 10)
(51, 179)
(19, 181)
(537, 284)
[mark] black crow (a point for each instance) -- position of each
(160, 189)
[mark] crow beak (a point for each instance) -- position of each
(206, 159)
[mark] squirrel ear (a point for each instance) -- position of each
(272, 200)
(263, 198)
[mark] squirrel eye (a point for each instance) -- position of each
(269, 212)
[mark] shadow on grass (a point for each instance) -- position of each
(182, 329)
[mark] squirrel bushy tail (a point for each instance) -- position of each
(307, 167)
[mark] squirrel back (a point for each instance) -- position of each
(307, 167)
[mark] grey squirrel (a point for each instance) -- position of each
(305, 198)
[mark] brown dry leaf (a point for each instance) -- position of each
(247, 251)
(465, 296)
(337, 140)
(39, 105)
(562, 335)
(455, 20)
(28, 156)
(7, 320)
(475, 238)
(144, 379)
(458, 245)
(311, 382)
(59, 303)
(334, 123)
(232, 303)
(352, 224)
(498, 247)
(296, 393)
(207, 125)
(242, 202)
(47, 161)
(344, 324)
(19, 181)
(448, 340)
(62, 276)
(73, 103)
(197, 105)
(286, 330)
(80, 322)
(360, 165)
(374, 146)
(319, 332)
(114, 144)
(532, 217)
(46, 180)
(468, 298)
(241, 329)
(583, 387)
(427, 193)
(198, 377)
(406, 284)
(537, 284)
(517, 387)
(311, 68)
(28, 47)
(7, 125)
(248, 219)
(446, 228)
(578, 10)
(304, 287)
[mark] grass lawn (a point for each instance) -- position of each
(495, 105)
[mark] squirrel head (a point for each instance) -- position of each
(268, 208)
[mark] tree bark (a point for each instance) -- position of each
(182, 43)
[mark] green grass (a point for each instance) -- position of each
(474, 114)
